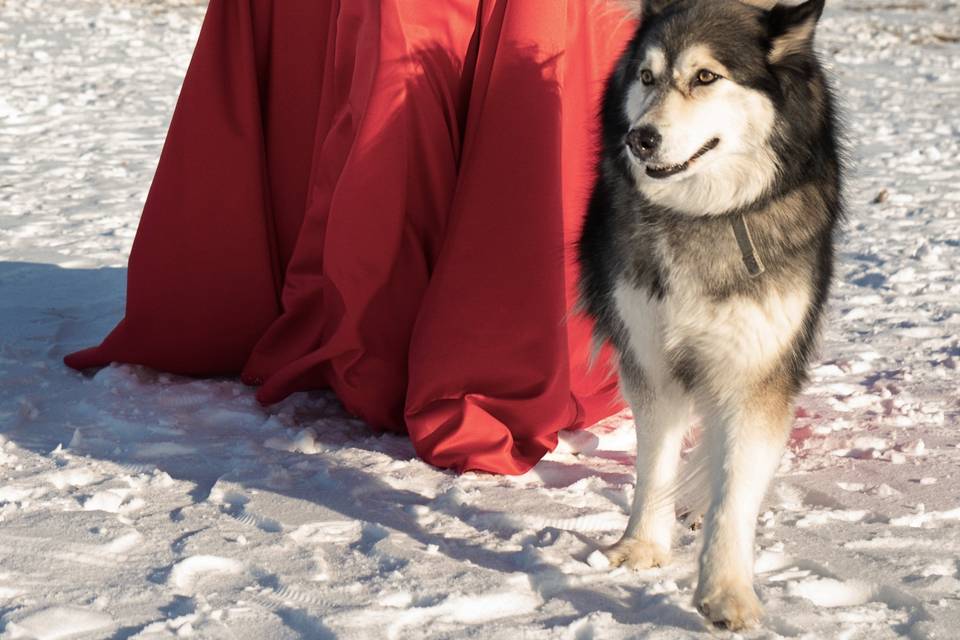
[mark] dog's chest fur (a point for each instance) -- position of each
(690, 313)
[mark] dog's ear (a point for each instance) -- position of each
(648, 8)
(653, 7)
(791, 29)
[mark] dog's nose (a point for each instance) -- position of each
(643, 141)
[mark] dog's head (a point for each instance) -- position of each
(698, 99)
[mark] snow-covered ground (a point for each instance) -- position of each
(138, 505)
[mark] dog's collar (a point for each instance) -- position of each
(748, 250)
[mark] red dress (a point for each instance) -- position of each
(381, 197)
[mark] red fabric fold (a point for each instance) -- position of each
(381, 197)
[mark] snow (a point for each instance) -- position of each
(135, 504)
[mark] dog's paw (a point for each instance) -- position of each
(637, 554)
(729, 605)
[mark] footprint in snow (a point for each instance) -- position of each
(192, 575)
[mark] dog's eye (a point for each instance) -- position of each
(706, 77)
(646, 77)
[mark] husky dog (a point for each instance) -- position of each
(706, 258)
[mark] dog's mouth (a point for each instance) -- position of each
(665, 172)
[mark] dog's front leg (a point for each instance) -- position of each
(745, 446)
(662, 417)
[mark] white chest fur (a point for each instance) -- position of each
(733, 341)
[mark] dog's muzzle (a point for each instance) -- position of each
(644, 142)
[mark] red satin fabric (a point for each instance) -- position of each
(381, 197)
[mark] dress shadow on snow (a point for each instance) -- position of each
(213, 430)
